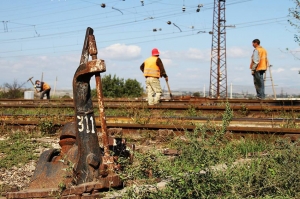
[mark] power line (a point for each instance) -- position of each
(88, 19)
(5, 28)
(14, 8)
(76, 31)
(51, 8)
(99, 47)
(114, 40)
(262, 20)
(112, 25)
(92, 15)
(107, 41)
(52, 13)
(45, 24)
(159, 17)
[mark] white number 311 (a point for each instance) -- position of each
(81, 124)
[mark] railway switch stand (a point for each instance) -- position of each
(81, 168)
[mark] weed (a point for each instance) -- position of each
(141, 116)
(211, 167)
(192, 111)
(17, 149)
(147, 135)
(289, 123)
(145, 166)
(226, 118)
(47, 127)
(168, 113)
(193, 176)
(62, 186)
(244, 110)
(266, 110)
(249, 146)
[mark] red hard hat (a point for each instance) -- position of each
(155, 51)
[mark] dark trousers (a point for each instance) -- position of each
(45, 92)
(258, 79)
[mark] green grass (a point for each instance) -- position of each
(37, 111)
(18, 149)
(210, 166)
(274, 175)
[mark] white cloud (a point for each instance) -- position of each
(295, 69)
(237, 52)
(278, 70)
(74, 58)
(293, 49)
(120, 52)
(191, 54)
(193, 69)
(195, 54)
(178, 74)
(167, 62)
(44, 58)
(239, 68)
(189, 68)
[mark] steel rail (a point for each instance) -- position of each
(27, 117)
(177, 128)
(177, 100)
(167, 107)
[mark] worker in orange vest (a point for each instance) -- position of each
(258, 66)
(153, 69)
(44, 88)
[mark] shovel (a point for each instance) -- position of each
(169, 90)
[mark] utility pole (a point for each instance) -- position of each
(55, 86)
(42, 77)
(218, 68)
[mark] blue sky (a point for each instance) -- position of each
(46, 36)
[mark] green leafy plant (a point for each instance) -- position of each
(47, 127)
(267, 110)
(114, 86)
(17, 150)
(210, 166)
(12, 90)
(192, 111)
(244, 110)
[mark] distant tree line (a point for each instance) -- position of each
(115, 87)
(112, 86)
(12, 91)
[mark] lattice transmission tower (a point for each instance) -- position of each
(218, 68)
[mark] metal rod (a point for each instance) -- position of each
(102, 114)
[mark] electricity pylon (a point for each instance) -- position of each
(218, 68)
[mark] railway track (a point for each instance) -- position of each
(273, 122)
(239, 127)
(271, 110)
(184, 100)
(176, 107)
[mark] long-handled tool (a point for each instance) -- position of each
(30, 79)
(169, 90)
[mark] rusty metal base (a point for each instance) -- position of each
(90, 190)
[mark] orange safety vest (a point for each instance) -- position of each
(46, 86)
(150, 67)
(263, 59)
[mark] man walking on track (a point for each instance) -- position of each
(258, 66)
(44, 88)
(153, 69)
